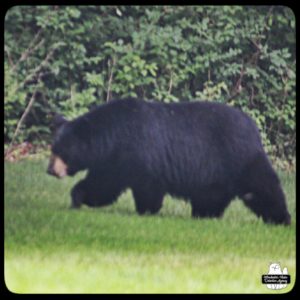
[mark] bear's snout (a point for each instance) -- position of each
(57, 167)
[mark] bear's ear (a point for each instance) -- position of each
(58, 120)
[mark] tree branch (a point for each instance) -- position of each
(38, 69)
(9, 57)
(24, 115)
(32, 47)
(110, 78)
(171, 83)
(29, 50)
(238, 85)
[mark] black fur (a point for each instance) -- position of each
(205, 152)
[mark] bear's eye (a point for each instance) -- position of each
(63, 156)
(58, 152)
(55, 150)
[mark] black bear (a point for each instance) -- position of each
(207, 153)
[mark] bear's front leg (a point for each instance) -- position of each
(78, 195)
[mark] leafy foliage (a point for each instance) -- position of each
(83, 56)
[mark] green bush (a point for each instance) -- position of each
(78, 57)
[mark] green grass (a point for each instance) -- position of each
(51, 249)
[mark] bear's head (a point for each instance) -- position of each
(69, 148)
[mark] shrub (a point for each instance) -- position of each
(78, 57)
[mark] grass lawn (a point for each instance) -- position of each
(51, 249)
